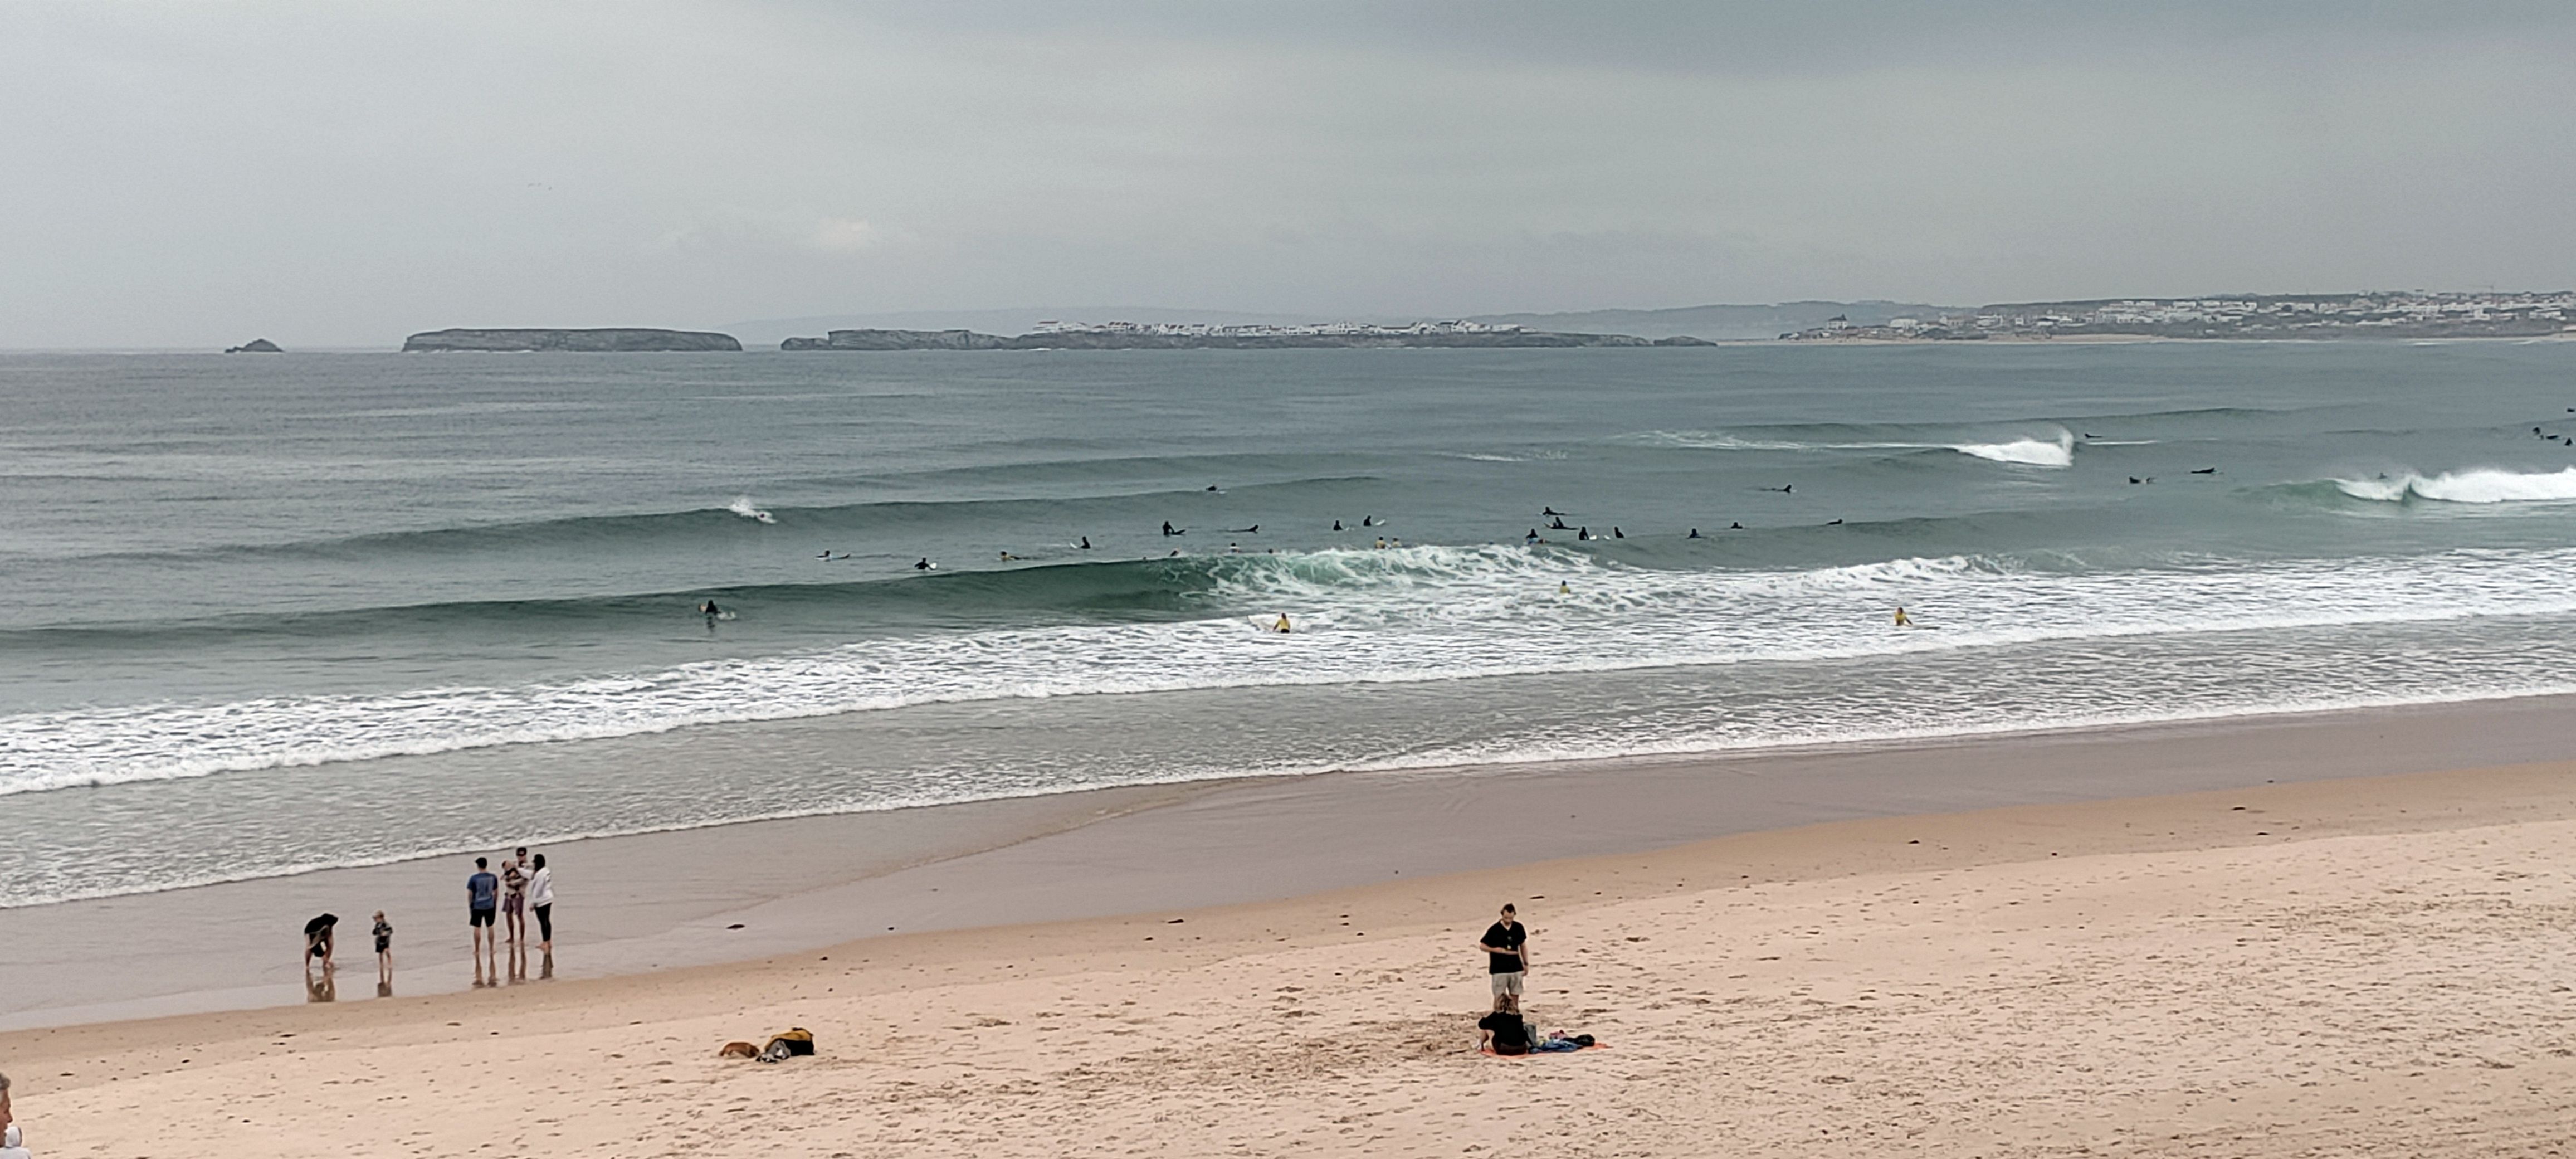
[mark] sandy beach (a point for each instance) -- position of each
(2363, 965)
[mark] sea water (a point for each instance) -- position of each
(267, 614)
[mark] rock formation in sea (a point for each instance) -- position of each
(254, 346)
(615, 340)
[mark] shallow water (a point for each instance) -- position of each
(282, 613)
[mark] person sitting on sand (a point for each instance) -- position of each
(1502, 1031)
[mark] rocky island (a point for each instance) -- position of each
(254, 346)
(597, 341)
(1194, 336)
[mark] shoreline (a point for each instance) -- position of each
(2348, 965)
(697, 897)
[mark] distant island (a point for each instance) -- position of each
(1202, 336)
(254, 346)
(2410, 314)
(582, 341)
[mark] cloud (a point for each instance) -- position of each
(322, 174)
(842, 235)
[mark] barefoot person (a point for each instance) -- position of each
(1506, 948)
(482, 897)
(384, 932)
(318, 939)
(514, 896)
(541, 897)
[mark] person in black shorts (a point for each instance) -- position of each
(384, 953)
(317, 941)
(1506, 948)
(482, 900)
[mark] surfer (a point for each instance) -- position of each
(2206, 471)
(1369, 521)
(1211, 487)
(1232, 548)
(1337, 525)
(1086, 543)
(1545, 510)
(710, 610)
(1255, 529)
(1903, 620)
(1583, 535)
(1532, 538)
(1563, 588)
(1784, 489)
(1735, 527)
(1693, 535)
(826, 554)
(925, 565)
(1168, 529)
(1559, 525)
(1615, 533)
(1282, 625)
(1007, 557)
(1835, 523)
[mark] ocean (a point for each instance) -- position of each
(268, 614)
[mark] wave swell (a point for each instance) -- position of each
(1410, 615)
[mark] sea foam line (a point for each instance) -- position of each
(1404, 616)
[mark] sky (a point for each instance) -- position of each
(331, 174)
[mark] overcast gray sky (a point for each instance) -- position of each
(193, 173)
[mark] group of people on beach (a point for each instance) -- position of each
(496, 907)
(498, 904)
(1506, 1031)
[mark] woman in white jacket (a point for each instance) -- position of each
(541, 898)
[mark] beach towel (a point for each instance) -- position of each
(1583, 1042)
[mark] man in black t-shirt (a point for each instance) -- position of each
(1506, 948)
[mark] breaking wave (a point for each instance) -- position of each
(1401, 616)
(2473, 486)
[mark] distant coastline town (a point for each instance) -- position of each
(2389, 314)
(2369, 315)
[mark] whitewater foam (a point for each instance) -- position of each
(1401, 616)
(742, 506)
(2054, 450)
(2482, 485)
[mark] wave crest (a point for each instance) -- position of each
(2482, 486)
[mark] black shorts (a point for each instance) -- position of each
(478, 917)
(546, 922)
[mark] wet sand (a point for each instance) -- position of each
(660, 901)
(2367, 967)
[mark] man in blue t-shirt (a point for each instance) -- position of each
(482, 898)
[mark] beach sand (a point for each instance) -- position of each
(2371, 966)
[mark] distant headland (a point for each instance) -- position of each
(1202, 336)
(583, 341)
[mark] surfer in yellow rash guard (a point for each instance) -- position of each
(1903, 620)
(1282, 625)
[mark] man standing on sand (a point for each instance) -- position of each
(1506, 948)
(482, 897)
